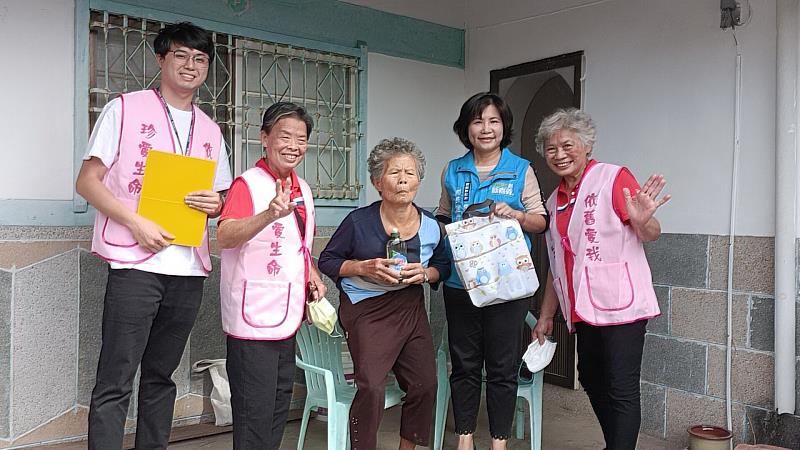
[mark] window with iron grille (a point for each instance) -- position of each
(246, 77)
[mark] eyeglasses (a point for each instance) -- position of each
(183, 57)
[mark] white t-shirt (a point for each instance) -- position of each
(103, 144)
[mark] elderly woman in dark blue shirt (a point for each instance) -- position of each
(382, 309)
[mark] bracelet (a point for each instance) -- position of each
(425, 276)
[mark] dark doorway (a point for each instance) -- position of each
(534, 90)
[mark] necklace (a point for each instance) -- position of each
(184, 150)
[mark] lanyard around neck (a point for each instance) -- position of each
(184, 150)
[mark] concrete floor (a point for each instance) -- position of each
(568, 423)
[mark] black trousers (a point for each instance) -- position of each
(609, 366)
(490, 336)
(147, 318)
(261, 376)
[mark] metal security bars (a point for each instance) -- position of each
(246, 77)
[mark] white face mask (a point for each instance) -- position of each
(537, 357)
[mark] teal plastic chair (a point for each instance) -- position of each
(321, 360)
(442, 393)
(528, 389)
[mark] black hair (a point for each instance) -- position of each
(186, 34)
(278, 111)
(473, 108)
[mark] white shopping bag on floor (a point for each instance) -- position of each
(221, 393)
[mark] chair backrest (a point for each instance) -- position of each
(319, 349)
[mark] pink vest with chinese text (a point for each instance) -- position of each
(611, 277)
(263, 281)
(145, 126)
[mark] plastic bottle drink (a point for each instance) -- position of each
(396, 249)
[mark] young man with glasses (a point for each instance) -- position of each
(154, 289)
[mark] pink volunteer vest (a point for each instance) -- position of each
(263, 281)
(145, 126)
(611, 277)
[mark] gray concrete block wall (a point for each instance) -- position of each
(679, 260)
(700, 315)
(94, 274)
(6, 283)
(660, 325)
(207, 340)
(751, 376)
(685, 409)
(654, 398)
(762, 323)
(45, 344)
(685, 348)
(674, 363)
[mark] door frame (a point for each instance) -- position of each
(562, 371)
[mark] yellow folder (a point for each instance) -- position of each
(168, 178)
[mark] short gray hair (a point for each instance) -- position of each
(390, 148)
(571, 119)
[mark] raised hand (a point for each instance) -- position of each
(280, 206)
(643, 205)
(150, 235)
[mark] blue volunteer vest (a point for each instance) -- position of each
(504, 184)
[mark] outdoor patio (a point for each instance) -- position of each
(568, 423)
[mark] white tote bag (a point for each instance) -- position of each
(221, 393)
(492, 259)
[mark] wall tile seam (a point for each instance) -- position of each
(62, 440)
(49, 258)
(735, 236)
(722, 291)
(705, 372)
(745, 349)
(11, 357)
(679, 338)
(714, 344)
(663, 434)
(78, 334)
(708, 261)
(748, 320)
(669, 310)
(45, 423)
(36, 241)
(711, 397)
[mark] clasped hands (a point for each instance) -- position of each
(382, 270)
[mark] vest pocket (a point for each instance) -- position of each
(609, 286)
(116, 234)
(265, 304)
